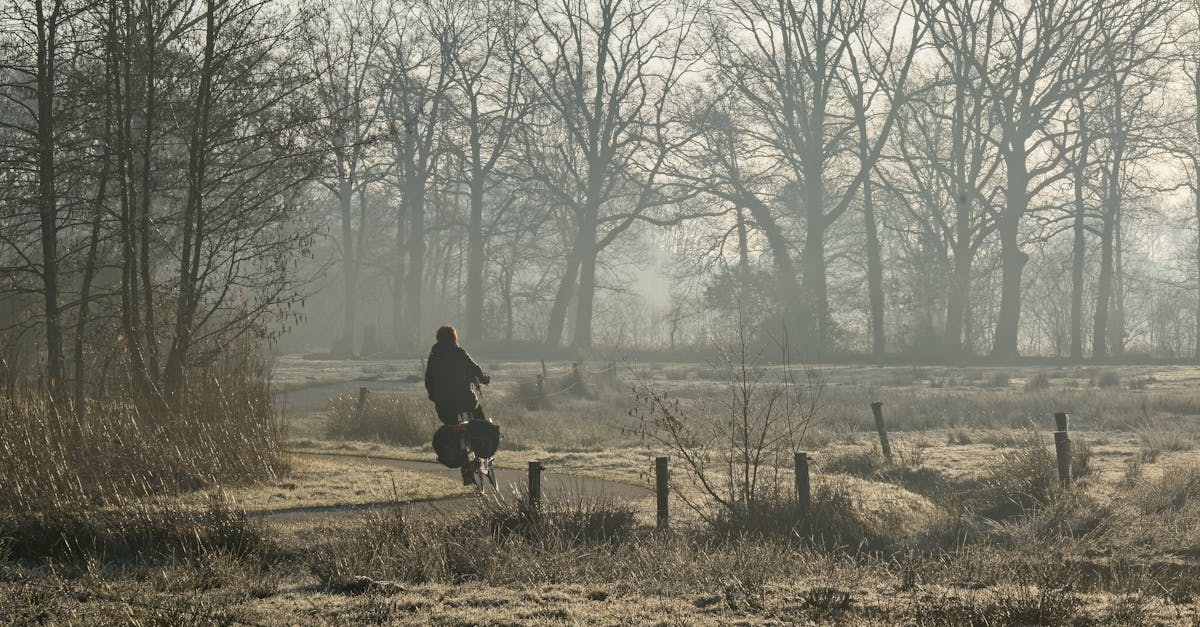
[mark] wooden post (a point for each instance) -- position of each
(1062, 449)
(662, 489)
(535, 484)
(803, 489)
(877, 409)
(362, 402)
(545, 375)
(541, 383)
(575, 372)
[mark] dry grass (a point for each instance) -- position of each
(50, 456)
(395, 418)
(318, 481)
(966, 525)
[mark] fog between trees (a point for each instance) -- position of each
(928, 178)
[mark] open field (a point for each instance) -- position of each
(965, 525)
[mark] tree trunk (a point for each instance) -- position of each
(1104, 285)
(1078, 250)
(416, 260)
(130, 297)
(874, 272)
(814, 308)
(1012, 258)
(144, 226)
(475, 261)
(1116, 326)
(399, 336)
(586, 245)
(47, 31)
(1196, 167)
(785, 267)
(346, 344)
(956, 308)
(562, 299)
(193, 223)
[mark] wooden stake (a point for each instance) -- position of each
(362, 402)
(877, 409)
(803, 489)
(662, 489)
(535, 484)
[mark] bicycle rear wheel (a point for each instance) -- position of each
(491, 475)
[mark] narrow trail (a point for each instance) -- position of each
(511, 482)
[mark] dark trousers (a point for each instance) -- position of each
(448, 414)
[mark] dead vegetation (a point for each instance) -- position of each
(917, 539)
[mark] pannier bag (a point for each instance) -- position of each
(483, 437)
(448, 444)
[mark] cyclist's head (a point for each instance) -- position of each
(447, 335)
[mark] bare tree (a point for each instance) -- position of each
(491, 101)
(416, 73)
(1031, 61)
(788, 66)
(605, 71)
(342, 43)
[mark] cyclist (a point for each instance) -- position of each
(449, 373)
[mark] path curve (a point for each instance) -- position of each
(511, 482)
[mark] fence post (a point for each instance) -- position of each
(545, 375)
(877, 409)
(575, 372)
(535, 484)
(662, 487)
(1062, 448)
(803, 488)
(362, 402)
(541, 383)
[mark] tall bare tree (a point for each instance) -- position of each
(604, 70)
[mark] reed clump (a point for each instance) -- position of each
(53, 455)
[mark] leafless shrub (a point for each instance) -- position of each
(736, 451)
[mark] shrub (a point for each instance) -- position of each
(833, 523)
(1081, 457)
(1155, 439)
(999, 379)
(959, 435)
(394, 418)
(1173, 491)
(562, 522)
(1022, 479)
(1106, 379)
(476, 545)
(1038, 381)
(531, 397)
(77, 534)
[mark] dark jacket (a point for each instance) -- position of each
(449, 372)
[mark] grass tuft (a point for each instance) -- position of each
(393, 418)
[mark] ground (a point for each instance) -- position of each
(950, 428)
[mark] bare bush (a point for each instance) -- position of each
(738, 450)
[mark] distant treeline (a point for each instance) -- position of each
(942, 179)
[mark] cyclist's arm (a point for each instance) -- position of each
(473, 368)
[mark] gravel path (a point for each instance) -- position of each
(511, 482)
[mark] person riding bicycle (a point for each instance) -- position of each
(449, 373)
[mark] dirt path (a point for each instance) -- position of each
(510, 482)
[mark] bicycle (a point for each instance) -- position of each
(481, 445)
